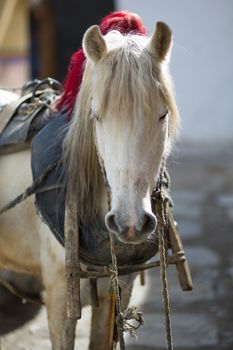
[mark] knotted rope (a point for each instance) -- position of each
(115, 286)
(160, 208)
(161, 216)
(131, 313)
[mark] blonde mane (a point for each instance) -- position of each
(125, 85)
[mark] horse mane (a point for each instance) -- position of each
(83, 173)
(124, 83)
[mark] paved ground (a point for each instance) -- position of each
(202, 184)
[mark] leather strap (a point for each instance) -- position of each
(9, 110)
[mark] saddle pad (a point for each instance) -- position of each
(46, 148)
(94, 237)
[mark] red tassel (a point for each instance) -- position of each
(124, 22)
(72, 82)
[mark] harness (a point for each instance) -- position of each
(168, 238)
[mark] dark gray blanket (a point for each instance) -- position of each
(46, 148)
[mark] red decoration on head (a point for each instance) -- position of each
(124, 22)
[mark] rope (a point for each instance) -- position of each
(115, 285)
(163, 269)
(32, 189)
(129, 314)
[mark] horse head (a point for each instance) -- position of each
(128, 92)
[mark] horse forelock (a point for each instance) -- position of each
(127, 79)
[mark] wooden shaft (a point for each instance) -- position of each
(182, 267)
(101, 272)
(110, 322)
(72, 259)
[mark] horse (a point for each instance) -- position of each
(124, 122)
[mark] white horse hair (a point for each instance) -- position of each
(125, 109)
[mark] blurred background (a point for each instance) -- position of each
(37, 39)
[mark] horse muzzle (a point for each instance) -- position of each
(128, 232)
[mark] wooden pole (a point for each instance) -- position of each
(182, 267)
(72, 258)
(110, 322)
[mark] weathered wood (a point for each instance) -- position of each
(182, 266)
(72, 263)
(110, 322)
(101, 272)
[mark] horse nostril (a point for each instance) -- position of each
(111, 223)
(114, 224)
(149, 223)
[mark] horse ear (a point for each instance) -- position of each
(161, 41)
(94, 45)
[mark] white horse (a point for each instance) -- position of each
(125, 115)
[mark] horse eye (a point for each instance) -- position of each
(163, 116)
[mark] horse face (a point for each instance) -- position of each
(132, 158)
(131, 124)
